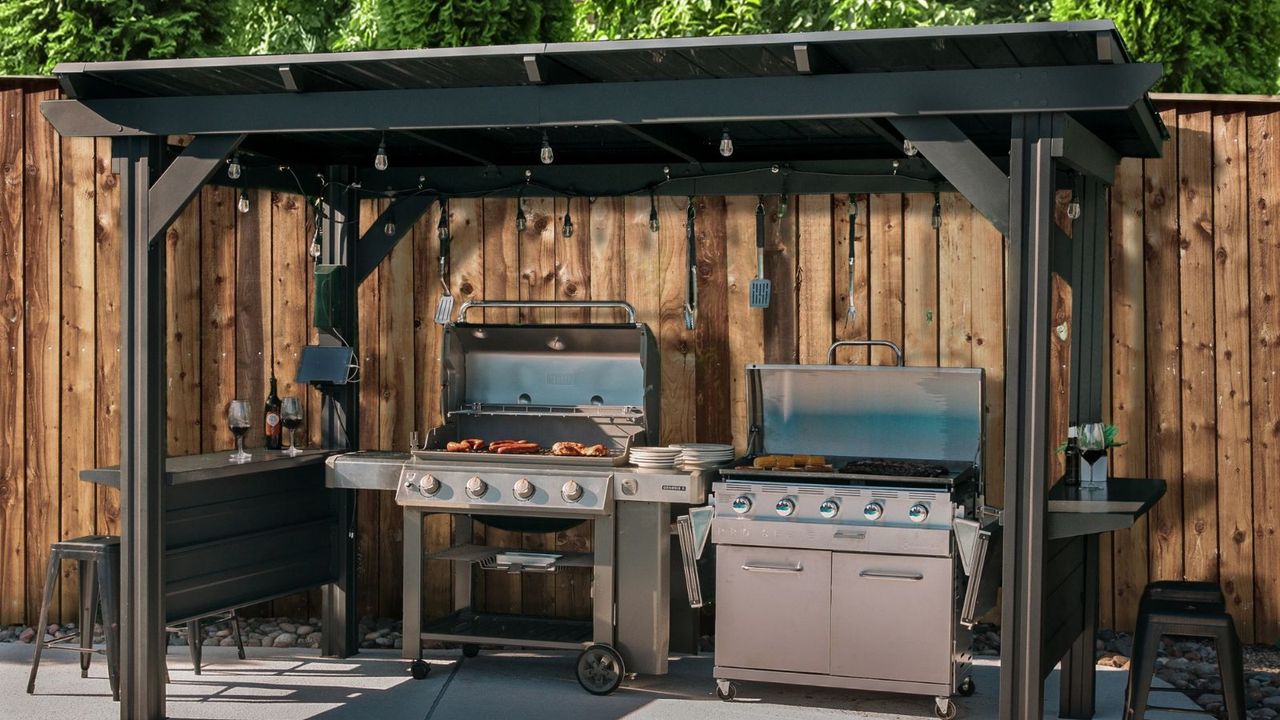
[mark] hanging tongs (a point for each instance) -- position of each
(691, 286)
(444, 308)
(852, 310)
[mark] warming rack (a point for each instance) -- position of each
(608, 412)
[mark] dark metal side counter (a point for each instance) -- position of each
(241, 533)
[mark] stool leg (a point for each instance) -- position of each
(109, 604)
(1141, 670)
(193, 642)
(87, 597)
(235, 628)
(51, 577)
(1229, 667)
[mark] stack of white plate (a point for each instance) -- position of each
(655, 457)
(700, 456)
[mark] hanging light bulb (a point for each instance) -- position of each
(233, 167)
(853, 208)
(380, 160)
(546, 155)
(243, 203)
(653, 213)
(521, 222)
(389, 229)
(726, 143)
(936, 220)
(782, 206)
(442, 228)
(1073, 208)
(567, 228)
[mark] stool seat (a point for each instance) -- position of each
(1188, 609)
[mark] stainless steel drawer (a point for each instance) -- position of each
(891, 617)
(772, 608)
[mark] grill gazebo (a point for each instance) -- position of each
(1005, 115)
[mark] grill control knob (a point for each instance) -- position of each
(742, 504)
(523, 489)
(571, 491)
(872, 511)
(918, 513)
(476, 487)
(429, 485)
(785, 507)
(829, 508)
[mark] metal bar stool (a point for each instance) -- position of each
(98, 556)
(194, 641)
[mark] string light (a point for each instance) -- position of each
(936, 220)
(726, 143)
(653, 213)
(853, 208)
(243, 203)
(909, 148)
(389, 229)
(782, 206)
(1073, 208)
(233, 167)
(442, 228)
(521, 222)
(546, 155)
(380, 160)
(567, 228)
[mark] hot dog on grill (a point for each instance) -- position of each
(516, 448)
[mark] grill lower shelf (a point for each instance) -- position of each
(468, 626)
(486, 556)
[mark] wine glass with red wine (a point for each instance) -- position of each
(291, 418)
(238, 421)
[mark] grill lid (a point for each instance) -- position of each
(867, 411)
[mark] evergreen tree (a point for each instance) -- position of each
(387, 24)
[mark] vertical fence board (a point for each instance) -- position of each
(781, 338)
(675, 343)
(78, 348)
(253, 312)
(13, 481)
(1196, 289)
(814, 275)
(1128, 378)
(43, 285)
(885, 255)
(1234, 474)
(988, 288)
(746, 324)
(1264, 289)
(107, 282)
(1164, 412)
(217, 312)
(955, 282)
(920, 280)
(182, 364)
(714, 421)
(368, 502)
(608, 255)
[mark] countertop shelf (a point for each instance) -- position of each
(216, 465)
(1077, 511)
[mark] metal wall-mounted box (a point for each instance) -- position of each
(332, 301)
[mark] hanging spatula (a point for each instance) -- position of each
(444, 308)
(760, 289)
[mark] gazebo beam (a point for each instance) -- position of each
(184, 177)
(1081, 88)
(967, 168)
(376, 244)
(1079, 149)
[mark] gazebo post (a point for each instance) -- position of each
(142, 433)
(1031, 190)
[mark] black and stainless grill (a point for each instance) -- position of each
(593, 384)
(861, 486)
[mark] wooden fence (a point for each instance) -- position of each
(1194, 274)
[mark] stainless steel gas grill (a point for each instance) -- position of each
(838, 560)
(513, 396)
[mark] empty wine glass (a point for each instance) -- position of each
(291, 417)
(238, 421)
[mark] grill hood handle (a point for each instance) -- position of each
(586, 304)
(831, 352)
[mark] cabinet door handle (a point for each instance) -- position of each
(885, 575)
(852, 535)
(754, 567)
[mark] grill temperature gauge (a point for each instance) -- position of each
(742, 504)
(829, 508)
(872, 511)
(785, 507)
(918, 513)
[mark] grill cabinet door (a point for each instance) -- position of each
(890, 617)
(773, 608)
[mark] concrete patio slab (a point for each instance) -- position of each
(299, 685)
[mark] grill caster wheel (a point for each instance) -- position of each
(945, 709)
(726, 690)
(600, 669)
(470, 650)
(419, 669)
(966, 688)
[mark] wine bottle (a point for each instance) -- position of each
(1072, 476)
(271, 418)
